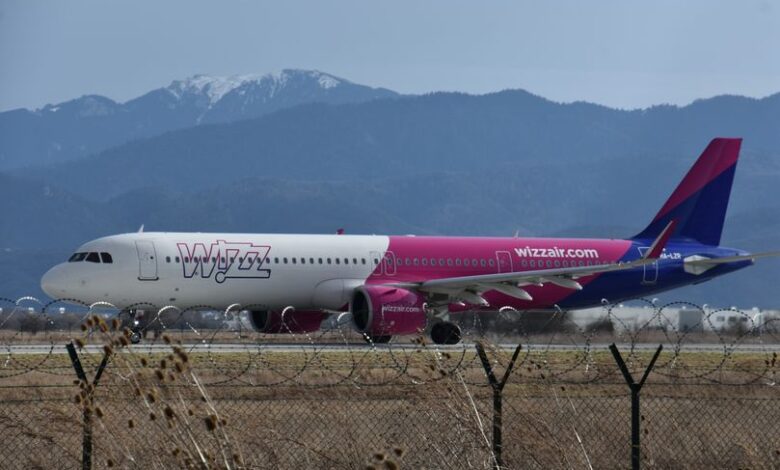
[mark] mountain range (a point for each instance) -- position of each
(322, 153)
(92, 123)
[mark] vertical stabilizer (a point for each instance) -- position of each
(699, 203)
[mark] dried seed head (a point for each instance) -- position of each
(169, 412)
(137, 392)
(379, 456)
(179, 367)
(84, 327)
(89, 323)
(99, 412)
(103, 327)
(176, 451)
(159, 374)
(144, 362)
(115, 323)
(167, 339)
(130, 423)
(211, 422)
(163, 364)
(151, 397)
(171, 377)
(123, 341)
(190, 412)
(79, 343)
(223, 422)
(152, 416)
(110, 463)
(108, 349)
(390, 465)
(183, 356)
(399, 452)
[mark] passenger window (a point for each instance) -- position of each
(213, 259)
(276, 260)
(285, 260)
(363, 260)
(533, 263)
(466, 262)
(167, 259)
(303, 260)
(549, 264)
(319, 260)
(557, 263)
(482, 263)
(449, 261)
(441, 261)
(474, 262)
(433, 261)
(354, 260)
(106, 257)
(416, 262)
(524, 263)
(241, 260)
(311, 260)
(338, 261)
(93, 258)
(294, 261)
(376, 261)
(346, 260)
(178, 259)
(492, 262)
(457, 262)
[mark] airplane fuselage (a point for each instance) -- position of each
(273, 271)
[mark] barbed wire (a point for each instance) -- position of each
(725, 346)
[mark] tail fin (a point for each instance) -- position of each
(699, 203)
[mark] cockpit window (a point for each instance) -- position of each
(106, 257)
(77, 257)
(93, 258)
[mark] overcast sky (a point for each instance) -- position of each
(619, 53)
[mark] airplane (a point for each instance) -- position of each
(396, 285)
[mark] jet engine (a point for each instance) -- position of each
(272, 321)
(380, 312)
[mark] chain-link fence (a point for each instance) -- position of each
(211, 398)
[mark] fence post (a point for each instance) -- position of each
(86, 439)
(497, 387)
(635, 388)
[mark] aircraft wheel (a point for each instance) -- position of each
(135, 337)
(445, 333)
(378, 339)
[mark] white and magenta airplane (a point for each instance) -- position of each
(395, 285)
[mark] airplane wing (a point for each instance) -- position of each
(468, 288)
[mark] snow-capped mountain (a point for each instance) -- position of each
(93, 123)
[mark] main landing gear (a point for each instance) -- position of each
(446, 333)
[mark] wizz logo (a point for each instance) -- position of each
(224, 260)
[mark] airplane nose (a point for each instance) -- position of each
(52, 283)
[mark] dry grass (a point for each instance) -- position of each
(418, 408)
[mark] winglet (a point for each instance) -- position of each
(658, 245)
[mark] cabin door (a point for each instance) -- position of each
(650, 274)
(147, 260)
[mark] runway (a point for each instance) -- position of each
(298, 348)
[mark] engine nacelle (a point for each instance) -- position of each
(272, 321)
(384, 311)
